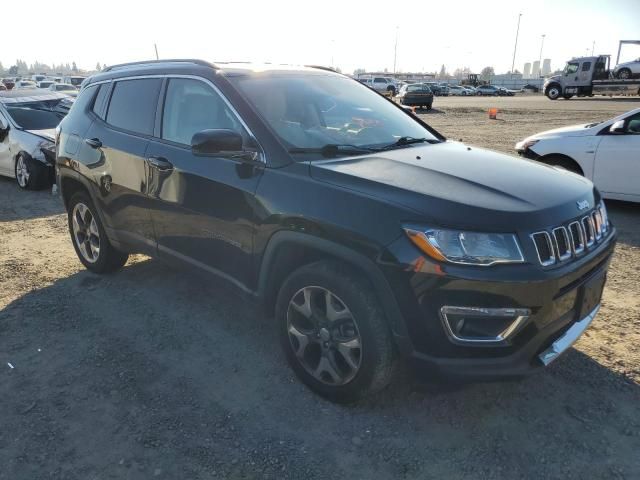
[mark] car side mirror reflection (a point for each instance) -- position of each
(617, 127)
(4, 131)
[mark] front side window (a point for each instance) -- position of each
(315, 110)
(572, 67)
(133, 105)
(191, 106)
(633, 124)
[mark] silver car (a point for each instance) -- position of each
(627, 69)
(28, 119)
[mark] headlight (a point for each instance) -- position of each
(523, 145)
(466, 248)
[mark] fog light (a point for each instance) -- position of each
(482, 326)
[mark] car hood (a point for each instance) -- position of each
(48, 134)
(581, 130)
(451, 184)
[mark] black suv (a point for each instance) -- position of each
(364, 231)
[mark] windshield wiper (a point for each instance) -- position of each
(403, 141)
(335, 149)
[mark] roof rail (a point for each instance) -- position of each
(321, 67)
(155, 62)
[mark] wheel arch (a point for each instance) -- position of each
(562, 159)
(288, 251)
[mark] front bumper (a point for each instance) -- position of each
(562, 301)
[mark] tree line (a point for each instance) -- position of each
(20, 67)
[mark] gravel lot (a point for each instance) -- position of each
(157, 373)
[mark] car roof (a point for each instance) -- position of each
(23, 96)
(200, 66)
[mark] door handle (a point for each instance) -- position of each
(160, 163)
(93, 142)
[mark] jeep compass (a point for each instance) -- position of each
(366, 233)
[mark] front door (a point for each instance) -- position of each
(204, 211)
(617, 167)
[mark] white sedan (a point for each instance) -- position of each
(608, 153)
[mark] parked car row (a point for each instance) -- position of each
(42, 81)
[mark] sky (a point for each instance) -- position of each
(348, 34)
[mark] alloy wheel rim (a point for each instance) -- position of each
(554, 92)
(22, 172)
(324, 336)
(85, 232)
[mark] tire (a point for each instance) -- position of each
(563, 162)
(30, 175)
(96, 253)
(624, 74)
(429, 107)
(553, 92)
(341, 364)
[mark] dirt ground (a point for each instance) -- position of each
(157, 373)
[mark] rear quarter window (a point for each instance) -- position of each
(133, 105)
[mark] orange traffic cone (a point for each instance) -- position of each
(493, 113)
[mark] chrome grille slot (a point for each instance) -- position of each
(589, 230)
(605, 219)
(577, 237)
(544, 248)
(597, 223)
(563, 247)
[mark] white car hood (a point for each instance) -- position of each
(570, 131)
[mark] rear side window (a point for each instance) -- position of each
(100, 98)
(84, 98)
(133, 105)
(586, 66)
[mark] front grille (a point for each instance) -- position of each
(562, 243)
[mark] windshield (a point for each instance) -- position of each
(311, 111)
(35, 115)
(65, 87)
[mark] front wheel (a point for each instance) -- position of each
(29, 174)
(553, 92)
(89, 238)
(334, 332)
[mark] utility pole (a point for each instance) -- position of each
(515, 47)
(395, 52)
(156, 48)
(593, 47)
(540, 59)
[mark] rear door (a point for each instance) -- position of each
(617, 167)
(204, 211)
(118, 140)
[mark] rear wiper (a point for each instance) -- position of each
(334, 149)
(403, 141)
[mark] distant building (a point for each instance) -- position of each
(527, 70)
(535, 71)
(546, 66)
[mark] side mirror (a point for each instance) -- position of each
(617, 128)
(4, 130)
(211, 142)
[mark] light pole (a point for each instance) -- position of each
(593, 47)
(395, 52)
(515, 47)
(540, 59)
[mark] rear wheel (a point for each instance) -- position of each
(624, 73)
(334, 332)
(89, 238)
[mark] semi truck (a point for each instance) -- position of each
(588, 76)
